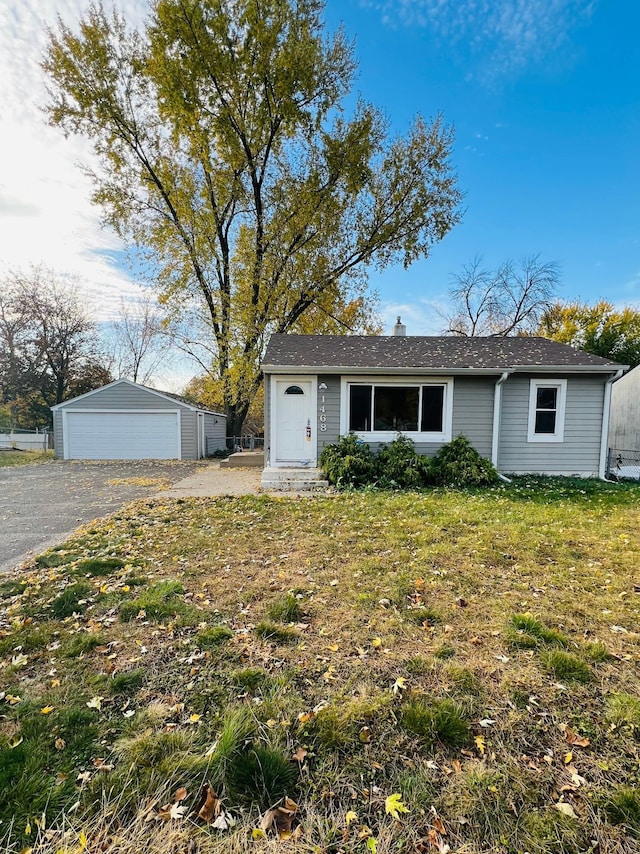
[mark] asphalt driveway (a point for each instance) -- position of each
(41, 504)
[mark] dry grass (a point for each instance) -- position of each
(474, 652)
(23, 458)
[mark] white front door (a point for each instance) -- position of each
(295, 439)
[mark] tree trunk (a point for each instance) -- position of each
(236, 414)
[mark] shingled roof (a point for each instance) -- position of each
(376, 352)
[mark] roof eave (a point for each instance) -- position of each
(489, 371)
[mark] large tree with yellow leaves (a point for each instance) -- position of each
(226, 155)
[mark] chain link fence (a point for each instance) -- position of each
(623, 464)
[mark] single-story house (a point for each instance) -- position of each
(624, 426)
(528, 404)
(127, 421)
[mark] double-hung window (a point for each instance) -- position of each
(547, 400)
(380, 410)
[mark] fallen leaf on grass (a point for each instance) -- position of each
(95, 703)
(393, 806)
(46, 710)
(299, 755)
(280, 818)
(565, 809)
(349, 817)
(435, 840)
(480, 744)
(574, 739)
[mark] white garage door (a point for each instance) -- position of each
(121, 436)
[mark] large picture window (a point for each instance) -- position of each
(387, 408)
(546, 410)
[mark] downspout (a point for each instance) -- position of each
(497, 410)
(604, 441)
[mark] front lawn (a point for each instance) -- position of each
(376, 671)
(23, 458)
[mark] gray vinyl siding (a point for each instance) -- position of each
(473, 411)
(215, 432)
(124, 396)
(188, 435)
(58, 447)
(332, 411)
(579, 453)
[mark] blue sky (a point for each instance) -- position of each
(544, 96)
(545, 99)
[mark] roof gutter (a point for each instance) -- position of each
(606, 411)
(497, 410)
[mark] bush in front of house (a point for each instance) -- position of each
(400, 466)
(459, 464)
(351, 462)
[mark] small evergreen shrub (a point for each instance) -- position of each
(400, 466)
(351, 462)
(459, 464)
(348, 462)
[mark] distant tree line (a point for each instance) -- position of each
(52, 350)
(519, 298)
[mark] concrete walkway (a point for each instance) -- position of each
(212, 480)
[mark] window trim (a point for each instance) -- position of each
(399, 382)
(561, 403)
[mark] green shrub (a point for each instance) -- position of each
(348, 462)
(351, 462)
(400, 466)
(459, 464)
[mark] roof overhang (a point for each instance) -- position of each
(378, 371)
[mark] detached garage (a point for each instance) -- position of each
(127, 421)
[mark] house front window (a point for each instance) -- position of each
(547, 400)
(381, 410)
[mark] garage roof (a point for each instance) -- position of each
(173, 398)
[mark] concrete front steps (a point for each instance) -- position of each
(293, 480)
(243, 459)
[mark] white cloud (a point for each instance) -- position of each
(513, 33)
(422, 317)
(46, 216)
